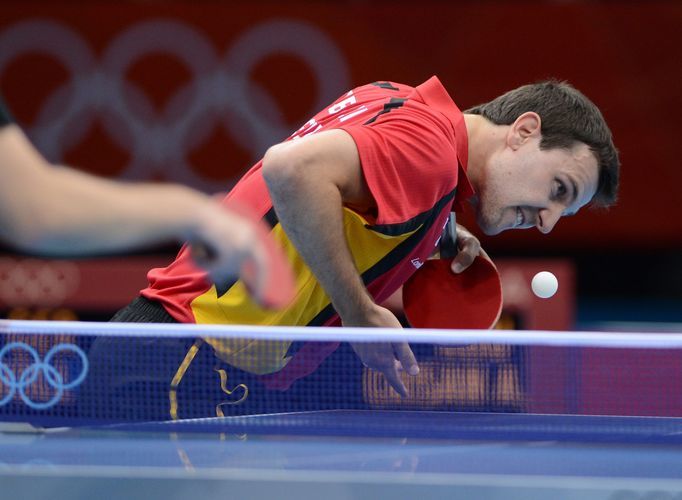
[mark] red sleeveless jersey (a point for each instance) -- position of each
(412, 144)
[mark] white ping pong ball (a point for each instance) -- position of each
(544, 284)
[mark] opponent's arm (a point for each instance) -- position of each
(309, 180)
(63, 212)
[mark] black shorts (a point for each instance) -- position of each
(132, 378)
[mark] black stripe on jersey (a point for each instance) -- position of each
(222, 288)
(394, 103)
(414, 222)
(385, 85)
(271, 220)
(394, 257)
(323, 316)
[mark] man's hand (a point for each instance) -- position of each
(468, 249)
(389, 358)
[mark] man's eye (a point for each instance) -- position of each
(560, 189)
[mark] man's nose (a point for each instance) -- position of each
(548, 217)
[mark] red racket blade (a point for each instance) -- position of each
(435, 297)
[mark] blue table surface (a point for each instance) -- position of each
(439, 425)
(315, 455)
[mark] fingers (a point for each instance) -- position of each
(212, 260)
(469, 249)
(221, 242)
(390, 360)
(406, 358)
(392, 375)
(461, 262)
(202, 253)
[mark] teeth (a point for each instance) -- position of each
(519, 217)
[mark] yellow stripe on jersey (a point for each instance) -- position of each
(236, 306)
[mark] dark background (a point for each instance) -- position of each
(625, 55)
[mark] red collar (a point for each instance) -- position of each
(434, 94)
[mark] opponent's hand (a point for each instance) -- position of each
(228, 243)
(389, 358)
(468, 249)
(223, 242)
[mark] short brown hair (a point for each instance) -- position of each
(567, 117)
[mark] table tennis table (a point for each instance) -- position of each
(344, 454)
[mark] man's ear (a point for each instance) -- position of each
(526, 126)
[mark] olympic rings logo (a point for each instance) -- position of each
(220, 91)
(26, 282)
(29, 375)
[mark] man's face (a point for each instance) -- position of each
(528, 187)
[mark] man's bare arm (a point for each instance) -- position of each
(310, 179)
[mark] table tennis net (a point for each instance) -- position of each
(78, 373)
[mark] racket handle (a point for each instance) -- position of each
(448, 240)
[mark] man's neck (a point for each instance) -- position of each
(483, 138)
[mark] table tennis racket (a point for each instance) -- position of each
(435, 297)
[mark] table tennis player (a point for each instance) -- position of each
(358, 198)
(59, 211)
